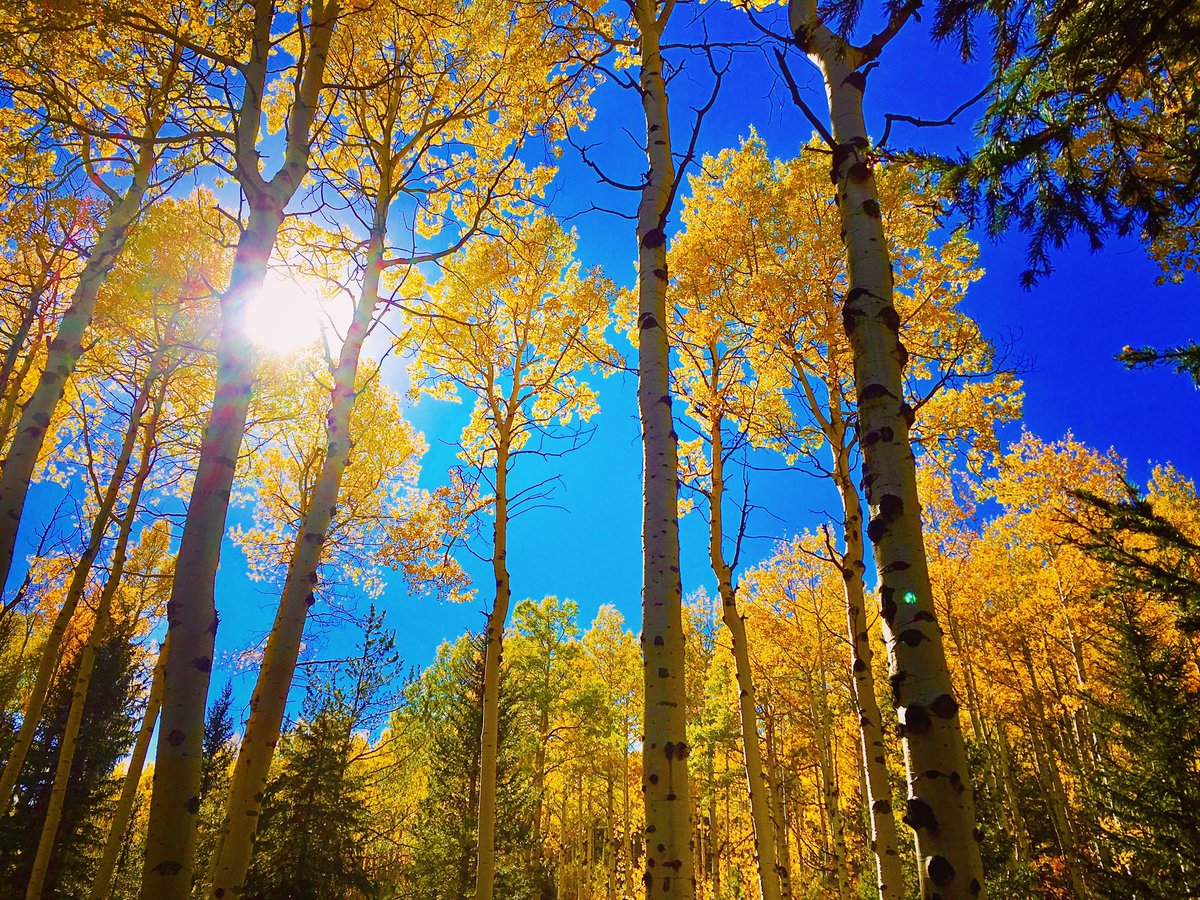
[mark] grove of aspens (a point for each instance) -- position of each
(572, 449)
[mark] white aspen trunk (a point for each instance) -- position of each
(884, 843)
(778, 819)
(102, 881)
(65, 350)
(18, 351)
(940, 807)
(191, 611)
(830, 788)
(760, 803)
(62, 621)
(268, 703)
(628, 842)
(485, 871)
(87, 661)
(669, 870)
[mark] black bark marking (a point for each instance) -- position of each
(193, 805)
(654, 238)
(941, 871)
(897, 682)
(874, 392)
(916, 719)
(919, 815)
(167, 867)
(944, 707)
(910, 636)
(889, 317)
(875, 529)
(881, 808)
(891, 507)
(887, 605)
(658, 640)
(647, 320)
(175, 738)
(870, 206)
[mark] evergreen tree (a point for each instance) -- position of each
(447, 705)
(105, 736)
(220, 750)
(314, 830)
(1148, 795)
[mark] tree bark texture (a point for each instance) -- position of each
(669, 870)
(940, 807)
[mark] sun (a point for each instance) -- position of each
(286, 316)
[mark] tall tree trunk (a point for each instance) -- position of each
(830, 788)
(485, 872)
(268, 703)
(83, 676)
(669, 871)
(778, 819)
(760, 803)
(119, 824)
(79, 578)
(884, 844)
(941, 807)
(64, 353)
(191, 611)
(19, 357)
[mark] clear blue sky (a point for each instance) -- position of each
(1070, 325)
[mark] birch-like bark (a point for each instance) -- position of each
(485, 871)
(33, 425)
(830, 789)
(87, 661)
(884, 845)
(669, 871)
(778, 818)
(191, 611)
(268, 703)
(769, 874)
(82, 570)
(119, 824)
(940, 807)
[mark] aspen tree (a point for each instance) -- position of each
(669, 870)
(394, 125)
(81, 572)
(512, 323)
(113, 114)
(123, 811)
(45, 226)
(191, 612)
(760, 251)
(730, 399)
(100, 631)
(940, 806)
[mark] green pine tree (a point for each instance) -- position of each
(1148, 793)
(447, 705)
(315, 821)
(105, 736)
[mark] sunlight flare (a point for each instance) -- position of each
(286, 316)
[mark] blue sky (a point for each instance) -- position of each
(1069, 326)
